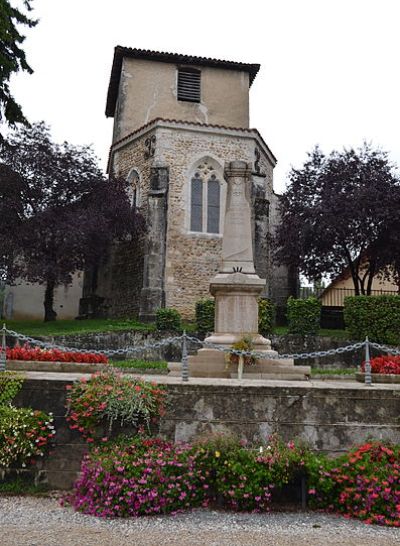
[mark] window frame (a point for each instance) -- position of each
(215, 174)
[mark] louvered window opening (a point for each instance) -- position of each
(189, 85)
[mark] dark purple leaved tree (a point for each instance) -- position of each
(342, 211)
(58, 213)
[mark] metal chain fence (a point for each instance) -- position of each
(183, 340)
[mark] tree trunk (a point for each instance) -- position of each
(371, 275)
(49, 313)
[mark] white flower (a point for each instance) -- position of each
(261, 449)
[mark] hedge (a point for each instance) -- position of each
(377, 317)
(266, 316)
(303, 316)
(205, 310)
(168, 319)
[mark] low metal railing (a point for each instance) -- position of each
(183, 341)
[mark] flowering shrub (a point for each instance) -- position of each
(115, 398)
(53, 355)
(24, 435)
(364, 483)
(384, 364)
(134, 477)
(245, 479)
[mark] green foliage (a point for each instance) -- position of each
(168, 319)
(266, 316)
(141, 364)
(377, 317)
(10, 385)
(303, 316)
(18, 485)
(12, 56)
(363, 484)
(113, 398)
(247, 478)
(24, 434)
(205, 312)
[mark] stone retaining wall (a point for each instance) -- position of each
(330, 418)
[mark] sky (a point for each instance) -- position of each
(329, 69)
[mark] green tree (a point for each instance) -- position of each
(12, 57)
(341, 211)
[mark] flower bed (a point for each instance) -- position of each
(111, 398)
(387, 364)
(24, 435)
(138, 477)
(141, 476)
(27, 353)
(364, 484)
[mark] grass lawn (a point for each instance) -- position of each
(336, 371)
(140, 364)
(69, 327)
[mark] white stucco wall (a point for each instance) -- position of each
(24, 301)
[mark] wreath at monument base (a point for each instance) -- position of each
(245, 344)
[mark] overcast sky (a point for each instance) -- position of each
(329, 69)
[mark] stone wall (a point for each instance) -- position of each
(194, 258)
(191, 258)
(329, 419)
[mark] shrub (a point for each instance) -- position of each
(205, 312)
(266, 316)
(10, 384)
(24, 435)
(363, 484)
(53, 355)
(245, 479)
(113, 398)
(135, 477)
(168, 319)
(377, 317)
(386, 364)
(303, 316)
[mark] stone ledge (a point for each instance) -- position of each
(46, 366)
(380, 378)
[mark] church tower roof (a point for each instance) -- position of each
(121, 52)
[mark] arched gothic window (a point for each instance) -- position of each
(134, 188)
(205, 199)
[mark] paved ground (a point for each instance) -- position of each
(170, 380)
(29, 521)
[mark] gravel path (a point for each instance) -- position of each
(32, 521)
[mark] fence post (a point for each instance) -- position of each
(367, 369)
(185, 365)
(3, 353)
(240, 367)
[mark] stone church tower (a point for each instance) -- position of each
(177, 120)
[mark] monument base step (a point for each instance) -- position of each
(213, 363)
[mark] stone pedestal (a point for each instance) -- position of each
(236, 290)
